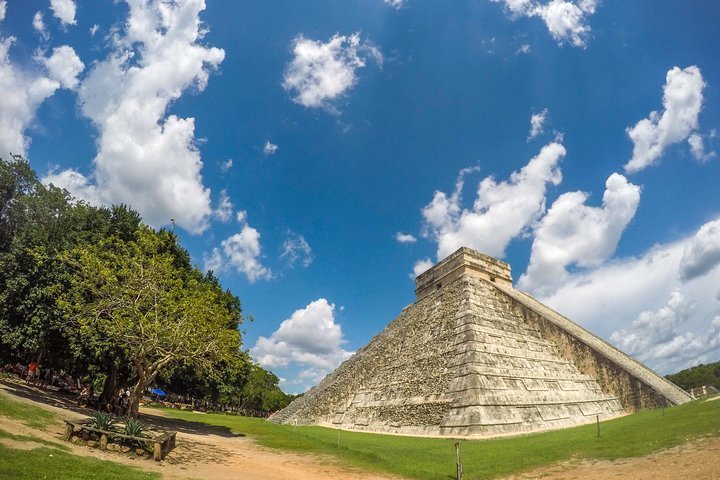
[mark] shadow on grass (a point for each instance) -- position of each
(66, 401)
(155, 417)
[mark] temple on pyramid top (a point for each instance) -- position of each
(475, 357)
(465, 261)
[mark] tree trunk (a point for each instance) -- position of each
(110, 385)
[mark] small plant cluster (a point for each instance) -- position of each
(134, 428)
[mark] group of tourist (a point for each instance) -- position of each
(48, 378)
(44, 377)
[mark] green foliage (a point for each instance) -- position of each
(142, 300)
(134, 428)
(87, 288)
(103, 421)
(697, 376)
(28, 414)
(431, 458)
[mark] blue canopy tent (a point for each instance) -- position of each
(158, 392)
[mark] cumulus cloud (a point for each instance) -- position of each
(565, 20)
(421, 266)
(295, 249)
(226, 165)
(702, 253)
(395, 3)
(3, 9)
(269, 148)
(39, 25)
(94, 29)
(609, 298)
(224, 210)
(310, 339)
(24, 92)
(574, 233)
(697, 148)
(64, 10)
(405, 237)
(537, 124)
(241, 252)
(682, 102)
(658, 336)
(147, 158)
(524, 48)
(64, 66)
(501, 211)
(321, 73)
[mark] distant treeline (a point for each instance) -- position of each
(694, 377)
(92, 294)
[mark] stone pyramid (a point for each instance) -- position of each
(475, 357)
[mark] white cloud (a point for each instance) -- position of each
(94, 29)
(682, 101)
(226, 165)
(296, 249)
(64, 66)
(76, 182)
(697, 148)
(702, 253)
(3, 9)
(64, 10)
(321, 73)
(269, 148)
(395, 3)
(565, 20)
(537, 123)
(241, 252)
(224, 210)
(658, 336)
(214, 261)
(405, 237)
(23, 92)
(310, 338)
(39, 25)
(421, 266)
(575, 233)
(146, 158)
(610, 298)
(524, 48)
(501, 211)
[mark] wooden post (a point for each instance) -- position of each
(69, 427)
(458, 462)
(157, 451)
(598, 425)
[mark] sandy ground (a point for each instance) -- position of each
(206, 453)
(218, 454)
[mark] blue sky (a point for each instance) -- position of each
(317, 154)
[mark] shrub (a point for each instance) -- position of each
(103, 421)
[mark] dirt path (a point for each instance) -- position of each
(216, 453)
(201, 452)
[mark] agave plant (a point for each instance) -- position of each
(102, 421)
(134, 428)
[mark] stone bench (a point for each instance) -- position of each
(162, 444)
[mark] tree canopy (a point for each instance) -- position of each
(94, 291)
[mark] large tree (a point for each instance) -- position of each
(142, 300)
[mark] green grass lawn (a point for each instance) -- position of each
(30, 415)
(431, 458)
(51, 460)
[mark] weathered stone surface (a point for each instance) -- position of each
(472, 356)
